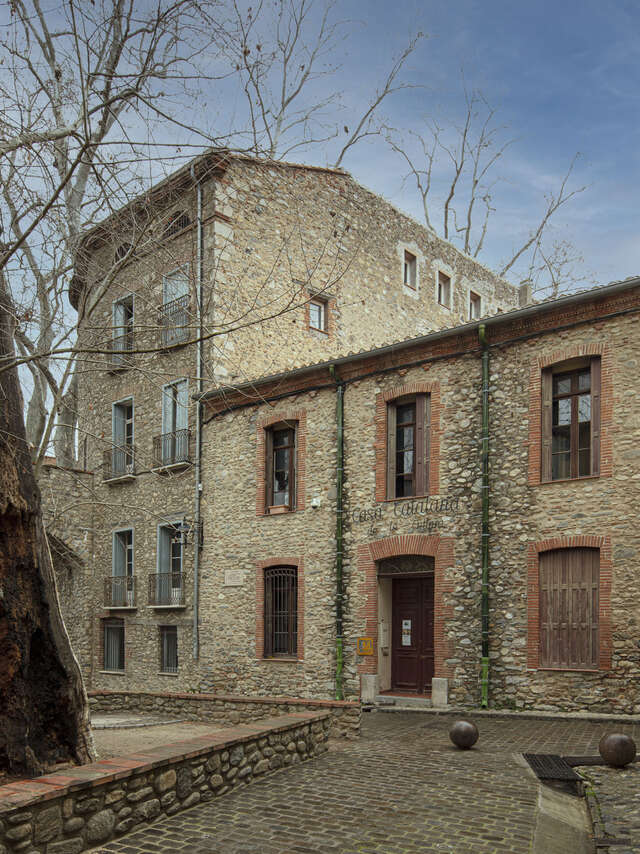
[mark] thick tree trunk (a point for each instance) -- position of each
(43, 704)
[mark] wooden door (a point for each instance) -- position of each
(412, 635)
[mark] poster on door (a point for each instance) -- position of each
(406, 633)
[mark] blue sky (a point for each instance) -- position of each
(564, 77)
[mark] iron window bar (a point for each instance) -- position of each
(172, 449)
(120, 351)
(174, 320)
(166, 589)
(119, 462)
(120, 591)
(281, 612)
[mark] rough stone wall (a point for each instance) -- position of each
(106, 801)
(228, 710)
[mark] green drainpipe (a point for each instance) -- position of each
(484, 677)
(339, 556)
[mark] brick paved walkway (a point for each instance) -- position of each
(401, 788)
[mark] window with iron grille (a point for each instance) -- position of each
(569, 608)
(168, 649)
(113, 645)
(177, 222)
(408, 421)
(281, 611)
(280, 479)
(571, 420)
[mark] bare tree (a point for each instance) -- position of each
(462, 160)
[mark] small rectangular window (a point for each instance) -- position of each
(410, 270)
(168, 649)
(318, 314)
(475, 306)
(281, 467)
(408, 446)
(113, 645)
(281, 611)
(444, 289)
(122, 337)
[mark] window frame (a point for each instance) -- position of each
(439, 284)
(549, 611)
(270, 574)
(113, 623)
(421, 447)
(162, 631)
(114, 534)
(323, 304)
(475, 299)
(410, 270)
(571, 367)
(269, 466)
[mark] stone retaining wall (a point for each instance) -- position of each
(228, 709)
(81, 807)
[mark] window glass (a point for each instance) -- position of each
(317, 311)
(114, 645)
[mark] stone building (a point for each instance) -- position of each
(287, 502)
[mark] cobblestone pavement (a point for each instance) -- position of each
(401, 788)
(617, 804)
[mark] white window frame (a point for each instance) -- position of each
(412, 291)
(412, 268)
(324, 318)
(446, 271)
(471, 293)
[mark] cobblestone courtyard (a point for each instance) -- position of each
(401, 788)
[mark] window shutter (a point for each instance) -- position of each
(268, 469)
(167, 410)
(293, 467)
(182, 405)
(596, 382)
(164, 554)
(118, 425)
(391, 450)
(421, 417)
(547, 414)
(427, 443)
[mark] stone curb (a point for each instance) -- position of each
(501, 713)
(136, 724)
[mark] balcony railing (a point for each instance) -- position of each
(174, 322)
(120, 591)
(119, 463)
(166, 589)
(172, 449)
(120, 355)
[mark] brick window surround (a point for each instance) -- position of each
(382, 399)
(533, 595)
(292, 415)
(441, 549)
(260, 568)
(535, 407)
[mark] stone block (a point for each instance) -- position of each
(67, 846)
(183, 782)
(73, 824)
(261, 766)
(113, 796)
(215, 781)
(167, 799)
(148, 810)
(87, 806)
(18, 832)
(100, 826)
(139, 795)
(191, 800)
(213, 763)
(439, 692)
(165, 781)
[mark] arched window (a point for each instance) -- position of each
(177, 222)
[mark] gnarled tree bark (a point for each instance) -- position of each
(44, 717)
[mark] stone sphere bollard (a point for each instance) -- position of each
(464, 734)
(617, 749)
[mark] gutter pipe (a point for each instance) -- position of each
(197, 526)
(339, 532)
(484, 603)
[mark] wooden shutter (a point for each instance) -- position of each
(546, 429)
(119, 567)
(427, 443)
(268, 469)
(596, 382)
(293, 466)
(420, 450)
(569, 608)
(391, 450)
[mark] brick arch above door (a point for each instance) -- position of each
(442, 551)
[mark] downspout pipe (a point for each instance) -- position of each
(484, 604)
(339, 532)
(197, 517)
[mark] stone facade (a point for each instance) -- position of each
(271, 237)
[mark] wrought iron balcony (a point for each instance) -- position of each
(120, 356)
(172, 449)
(119, 463)
(120, 591)
(166, 590)
(174, 318)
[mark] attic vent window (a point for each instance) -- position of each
(177, 222)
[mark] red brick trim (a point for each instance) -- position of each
(300, 416)
(382, 398)
(330, 309)
(533, 593)
(261, 565)
(535, 405)
(441, 549)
